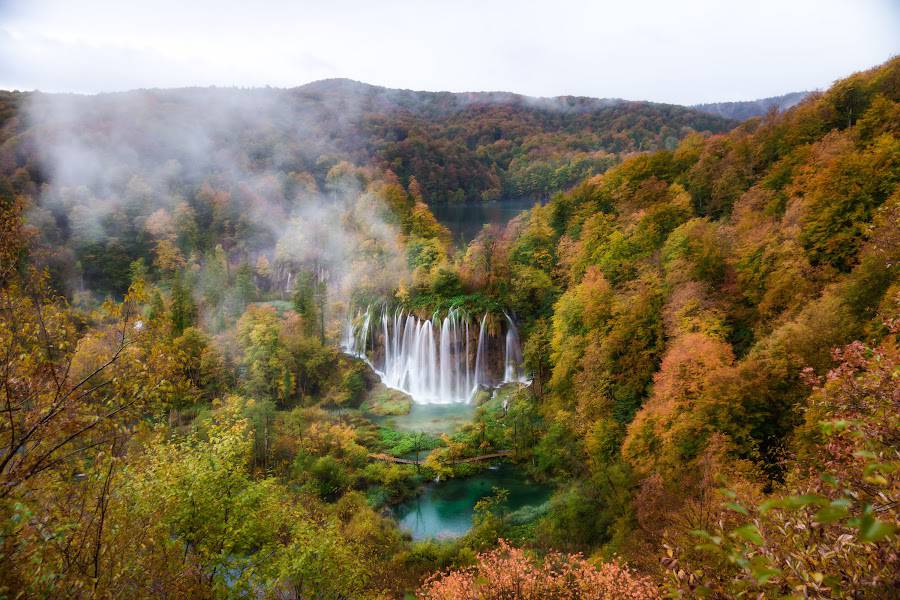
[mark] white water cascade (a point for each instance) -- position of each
(512, 355)
(436, 361)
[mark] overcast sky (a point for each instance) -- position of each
(670, 51)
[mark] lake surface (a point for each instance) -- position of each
(465, 220)
(430, 418)
(445, 509)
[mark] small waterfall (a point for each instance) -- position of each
(479, 356)
(431, 359)
(356, 338)
(468, 364)
(512, 356)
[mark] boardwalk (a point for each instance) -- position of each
(406, 461)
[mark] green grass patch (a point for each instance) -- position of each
(401, 443)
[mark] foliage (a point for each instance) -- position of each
(197, 433)
(834, 535)
(509, 572)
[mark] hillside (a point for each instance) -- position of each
(238, 343)
(691, 317)
(741, 111)
(460, 147)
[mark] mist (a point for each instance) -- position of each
(149, 170)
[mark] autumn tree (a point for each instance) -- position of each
(509, 572)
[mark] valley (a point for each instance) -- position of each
(346, 341)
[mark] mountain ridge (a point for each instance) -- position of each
(742, 110)
(738, 110)
(459, 147)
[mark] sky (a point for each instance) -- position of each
(683, 52)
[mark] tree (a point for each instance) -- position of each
(509, 573)
(536, 354)
(182, 310)
(60, 389)
(235, 534)
(168, 256)
(268, 363)
(670, 429)
(73, 401)
(830, 530)
(214, 281)
(263, 271)
(245, 290)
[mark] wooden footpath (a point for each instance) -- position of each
(406, 461)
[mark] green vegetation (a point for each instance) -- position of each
(711, 324)
(383, 401)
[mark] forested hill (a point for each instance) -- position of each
(379, 99)
(711, 329)
(681, 313)
(460, 147)
(741, 111)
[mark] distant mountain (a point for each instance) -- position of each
(379, 99)
(487, 145)
(741, 111)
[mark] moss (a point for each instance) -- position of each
(383, 401)
(482, 396)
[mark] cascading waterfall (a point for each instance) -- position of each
(431, 359)
(479, 354)
(512, 356)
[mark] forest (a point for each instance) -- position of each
(690, 342)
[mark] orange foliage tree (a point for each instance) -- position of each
(508, 573)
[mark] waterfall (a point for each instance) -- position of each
(431, 359)
(479, 356)
(356, 338)
(512, 355)
(468, 364)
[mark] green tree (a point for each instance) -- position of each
(182, 310)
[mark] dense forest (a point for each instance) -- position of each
(460, 147)
(709, 315)
(752, 108)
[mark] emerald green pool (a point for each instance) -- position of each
(430, 418)
(445, 509)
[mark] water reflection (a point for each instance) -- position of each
(445, 509)
(465, 220)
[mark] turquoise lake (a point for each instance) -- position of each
(445, 509)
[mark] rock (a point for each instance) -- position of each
(481, 396)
